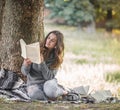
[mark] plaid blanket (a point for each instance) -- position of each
(12, 87)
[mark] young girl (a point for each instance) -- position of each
(41, 82)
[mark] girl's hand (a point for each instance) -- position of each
(27, 62)
(42, 59)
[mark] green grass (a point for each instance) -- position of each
(97, 46)
(113, 77)
(81, 61)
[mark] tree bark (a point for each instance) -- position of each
(18, 19)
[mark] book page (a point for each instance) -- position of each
(98, 96)
(33, 52)
(101, 95)
(80, 90)
(23, 48)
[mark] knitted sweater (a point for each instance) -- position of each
(39, 73)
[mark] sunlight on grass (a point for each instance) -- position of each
(96, 45)
(116, 31)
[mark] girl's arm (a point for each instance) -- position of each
(26, 66)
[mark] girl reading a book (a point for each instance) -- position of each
(41, 81)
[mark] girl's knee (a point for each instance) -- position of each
(50, 88)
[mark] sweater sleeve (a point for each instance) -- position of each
(25, 69)
(46, 72)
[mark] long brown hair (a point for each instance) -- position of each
(58, 50)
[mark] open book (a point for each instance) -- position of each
(102, 95)
(81, 90)
(31, 51)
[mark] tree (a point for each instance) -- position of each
(18, 19)
(73, 12)
(107, 10)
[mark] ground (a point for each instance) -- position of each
(56, 106)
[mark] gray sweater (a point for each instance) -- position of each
(38, 73)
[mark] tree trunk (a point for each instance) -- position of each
(109, 26)
(18, 19)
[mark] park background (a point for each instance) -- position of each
(92, 42)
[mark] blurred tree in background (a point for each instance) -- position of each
(107, 11)
(82, 13)
(73, 12)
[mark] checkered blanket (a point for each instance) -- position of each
(12, 87)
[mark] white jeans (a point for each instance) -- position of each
(50, 89)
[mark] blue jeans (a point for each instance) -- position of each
(50, 89)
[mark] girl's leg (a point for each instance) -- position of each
(35, 92)
(52, 89)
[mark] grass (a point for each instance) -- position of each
(57, 106)
(113, 77)
(97, 46)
